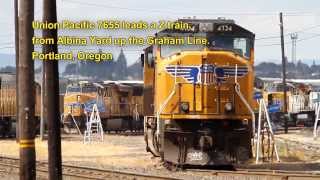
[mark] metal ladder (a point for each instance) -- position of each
(94, 126)
(317, 112)
(263, 110)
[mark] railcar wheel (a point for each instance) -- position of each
(172, 167)
(242, 154)
(82, 123)
(67, 126)
(67, 129)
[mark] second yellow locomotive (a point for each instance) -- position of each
(119, 104)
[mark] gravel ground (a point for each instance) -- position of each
(299, 144)
(123, 152)
(115, 150)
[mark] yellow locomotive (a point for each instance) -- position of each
(119, 105)
(74, 109)
(298, 104)
(198, 98)
(8, 104)
(123, 101)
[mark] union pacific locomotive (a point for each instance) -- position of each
(198, 98)
(119, 104)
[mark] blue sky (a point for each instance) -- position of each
(261, 17)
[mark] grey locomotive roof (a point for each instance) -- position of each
(214, 21)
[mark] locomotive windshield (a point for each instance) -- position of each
(238, 45)
(73, 89)
(218, 35)
(89, 89)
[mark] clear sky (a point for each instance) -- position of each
(260, 17)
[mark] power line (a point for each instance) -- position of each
(307, 29)
(288, 42)
(267, 37)
(7, 43)
(314, 36)
(6, 35)
(7, 47)
(288, 34)
(180, 13)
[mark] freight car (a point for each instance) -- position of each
(8, 104)
(119, 105)
(198, 98)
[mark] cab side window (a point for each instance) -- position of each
(107, 92)
(149, 59)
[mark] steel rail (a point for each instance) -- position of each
(252, 172)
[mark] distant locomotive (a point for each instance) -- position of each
(123, 101)
(8, 104)
(198, 99)
(119, 105)
(300, 113)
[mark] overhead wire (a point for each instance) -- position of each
(288, 34)
(197, 13)
(175, 12)
(288, 42)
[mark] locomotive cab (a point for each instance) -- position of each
(75, 99)
(198, 98)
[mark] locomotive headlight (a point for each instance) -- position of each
(228, 107)
(184, 106)
(245, 121)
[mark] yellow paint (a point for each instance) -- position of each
(205, 103)
(277, 97)
(76, 98)
(26, 143)
(8, 101)
(118, 100)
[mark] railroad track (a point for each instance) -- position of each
(255, 174)
(241, 173)
(80, 172)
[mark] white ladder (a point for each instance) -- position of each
(317, 112)
(136, 113)
(264, 110)
(94, 126)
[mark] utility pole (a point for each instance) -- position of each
(284, 76)
(16, 29)
(26, 92)
(42, 123)
(52, 94)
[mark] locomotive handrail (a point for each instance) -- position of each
(166, 101)
(238, 91)
(136, 112)
(237, 88)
